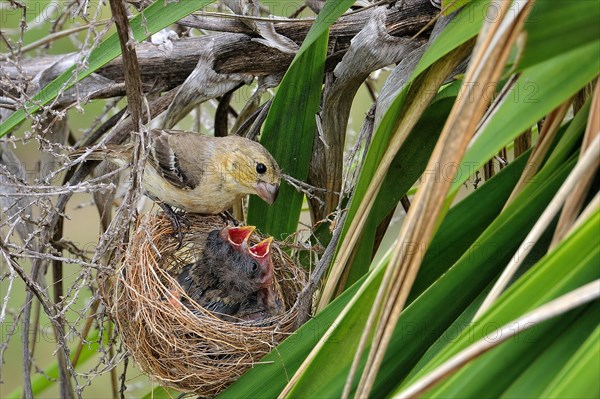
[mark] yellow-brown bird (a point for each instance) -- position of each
(198, 173)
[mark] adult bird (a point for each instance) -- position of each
(198, 173)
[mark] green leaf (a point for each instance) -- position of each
(406, 168)
(544, 370)
(489, 374)
(290, 126)
(341, 342)
(449, 6)
(547, 280)
(537, 91)
(463, 28)
(465, 222)
(157, 16)
(556, 27)
(300, 90)
(452, 331)
(579, 376)
(423, 321)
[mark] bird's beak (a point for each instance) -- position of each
(268, 192)
(237, 235)
(262, 248)
(260, 252)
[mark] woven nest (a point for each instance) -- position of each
(189, 349)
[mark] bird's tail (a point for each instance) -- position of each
(117, 154)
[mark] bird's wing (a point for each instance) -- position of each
(184, 279)
(167, 161)
(213, 301)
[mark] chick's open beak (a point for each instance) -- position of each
(268, 192)
(237, 235)
(261, 249)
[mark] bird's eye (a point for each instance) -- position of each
(254, 266)
(261, 168)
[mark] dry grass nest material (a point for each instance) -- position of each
(194, 352)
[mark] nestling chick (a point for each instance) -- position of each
(267, 302)
(198, 173)
(225, 278)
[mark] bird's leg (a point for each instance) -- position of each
(228, 217)
(175, 221)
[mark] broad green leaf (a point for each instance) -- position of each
(462, 28)
(449, 6)
(545, 281)
(449, 244)
(490, 376)
(465, 222)
(537, 91)
(424, 320)
(452, 331)
(552, 26)
(459, 31)
(290, 126)
(579, 376)
(341, 342)
(556, 27)
(329, 14)
(540, 374)
(157, 16)
(406, 168)
(465, 25)
(289, 137)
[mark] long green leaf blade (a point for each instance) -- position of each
(542, 81)
(290, 126)
(579, 376)
(545, 281)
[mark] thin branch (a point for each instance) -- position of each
(305, 188)
(304, 301)
(123, 378)
(133, 81)
(58, 35)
